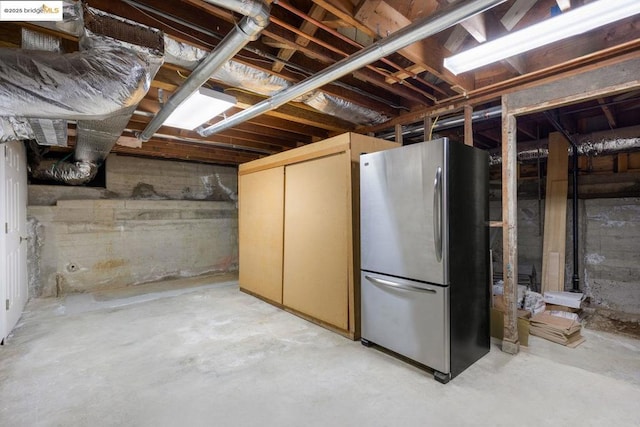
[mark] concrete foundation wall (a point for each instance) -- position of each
(86, 245)
(155, 219)
(132, 177)
(139, 178)
(609, 248)
(611, 268)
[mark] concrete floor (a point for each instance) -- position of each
(209, 355)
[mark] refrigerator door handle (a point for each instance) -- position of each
(437, 213)
(391, 284)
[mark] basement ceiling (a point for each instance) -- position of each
(306, 36)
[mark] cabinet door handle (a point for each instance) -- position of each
(396, 285)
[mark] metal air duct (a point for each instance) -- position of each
(99, 86)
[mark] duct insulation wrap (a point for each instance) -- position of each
(96, 138)
(232, 73)
(73, 173)
(92, 85)
(248, 78)
(340, 107)
(46, 131)
(586, 147)
(15, 128)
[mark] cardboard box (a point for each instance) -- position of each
(569, 299)
(557, 329)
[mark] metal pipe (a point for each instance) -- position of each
(255, 20)
(354, 43)
(575, 279)
(417, 31)
(449, 122)
(384, 73)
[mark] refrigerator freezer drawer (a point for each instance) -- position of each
(407, 317)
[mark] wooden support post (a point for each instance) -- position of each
(468, 125)
(428, 123)
(399, 133)
(510, 342)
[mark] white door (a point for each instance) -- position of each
(13, 243)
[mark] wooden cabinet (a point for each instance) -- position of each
(299, 230)
(261, 210)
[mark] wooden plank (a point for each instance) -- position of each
(510, 341)
(553, 277)
(516, 13)
(468, 125)
(475, 26)
(555, 212)
(496, 224)
(456, 38)
(260, 222)
(317, 234)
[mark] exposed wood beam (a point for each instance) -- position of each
(378, 16)
(345, 12)
(475, 26)
(558, 72)
(316, 12)
(516, 13)
(456, 39)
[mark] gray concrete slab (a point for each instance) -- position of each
(213, 356)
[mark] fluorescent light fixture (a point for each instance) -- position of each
(198, 108)
(565, 25)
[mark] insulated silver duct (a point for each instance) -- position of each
(92, 84)
(100, 87)
(248, 78)
(256, 18)
(45, 131)
(412, 33)
(592, 145)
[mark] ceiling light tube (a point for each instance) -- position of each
(198, 108)
(565, 25)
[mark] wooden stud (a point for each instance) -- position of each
(468, 125)
(428, 124)
(399, 134)
(510, 341)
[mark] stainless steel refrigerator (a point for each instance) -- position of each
(424, 223)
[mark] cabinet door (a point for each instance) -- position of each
(317, 239)
(260, 222)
